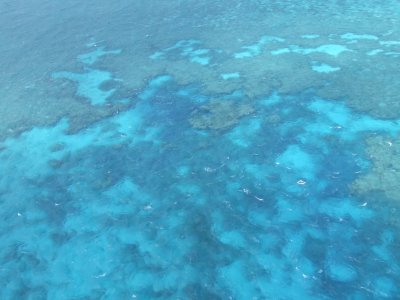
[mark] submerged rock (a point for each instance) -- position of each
(219, 114)
(55, 163)
(273, 119)
(57, 147)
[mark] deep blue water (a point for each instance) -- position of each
(212, 150)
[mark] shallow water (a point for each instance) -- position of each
(212, 150)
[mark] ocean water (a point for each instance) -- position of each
(241, 149)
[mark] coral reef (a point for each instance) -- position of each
(166, 211)
(273, 119)
(385, 173)
(274, 56)
(140, 204)
(219, 114)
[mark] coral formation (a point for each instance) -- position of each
(275, 56)
(142, 205)
(273, 119)
(219, 114)
(385, 173)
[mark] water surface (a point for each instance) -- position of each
(200, 149)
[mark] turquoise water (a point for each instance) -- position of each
(200, 150)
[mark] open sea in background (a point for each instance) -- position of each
(241, 149)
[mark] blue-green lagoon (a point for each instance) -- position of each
(200, 149)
